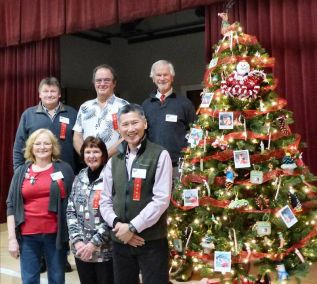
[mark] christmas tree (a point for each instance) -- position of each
(245, 196)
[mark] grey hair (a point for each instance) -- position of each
(162, 62)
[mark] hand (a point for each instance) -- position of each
(85, 251)
(14, 248)
(78, 246)
(136, 241)
(122, 232)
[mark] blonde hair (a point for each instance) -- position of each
(28, 150)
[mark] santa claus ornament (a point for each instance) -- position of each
(243, 83)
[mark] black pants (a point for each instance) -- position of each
(151, 259)
(95, 272)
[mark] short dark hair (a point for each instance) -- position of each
(131, 108)
(104, 66)
(95, 142)
(50, 81)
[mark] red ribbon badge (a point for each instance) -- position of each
(137, 189)
(95, 202)
(61, 188)
(115, 121)
(62, 133)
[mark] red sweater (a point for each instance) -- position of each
(38, 220)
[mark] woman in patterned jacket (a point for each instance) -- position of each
(88, 232)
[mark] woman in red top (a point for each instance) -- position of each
(36, 209)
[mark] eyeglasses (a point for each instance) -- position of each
(44, 144)
(103, 80)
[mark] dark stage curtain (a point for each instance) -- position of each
(22, 68)
(24, 21)
(287, 29)
(88, 14)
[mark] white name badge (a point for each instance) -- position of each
(139, 173)
(64, 119)
(57, 175)
(171, 118)
(98, 186)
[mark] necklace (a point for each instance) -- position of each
(32, 177)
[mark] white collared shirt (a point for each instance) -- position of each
(158, 94)
(92, 120)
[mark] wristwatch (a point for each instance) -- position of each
(132, 228)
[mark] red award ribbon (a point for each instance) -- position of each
(62, 133)
(95, 202)
(137, 189)
(115, 121)
(61, 188)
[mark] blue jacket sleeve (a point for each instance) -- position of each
(19, 144)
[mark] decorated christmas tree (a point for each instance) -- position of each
(245, 198)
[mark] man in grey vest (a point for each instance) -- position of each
(137, 188)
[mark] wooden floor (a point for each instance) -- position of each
(10, 267)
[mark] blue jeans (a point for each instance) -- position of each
(32, 247)
(151, 259)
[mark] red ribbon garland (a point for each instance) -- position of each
(255, 158)
(258, 255)
(281, 103)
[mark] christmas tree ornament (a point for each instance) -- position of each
(213, 62)
(238, 203)
(207, 243)
(220, 142)
(190, 197)
(262, 147)
(262, 202)
(294, 201)
(230, 176)
(263, 228)
(261, 105)
(205, 140)
(188, 233)
(178, 245)
(243, 83)
(256, 177)
(278, 182)
(287, 216)
(300, 256)
(233, 237)
(222, 261)
(207, 187)
(282, 125)
(281, 272)
(269, 142)
(299, 160)
(206, 99)
(282, 240)
(288, 164)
